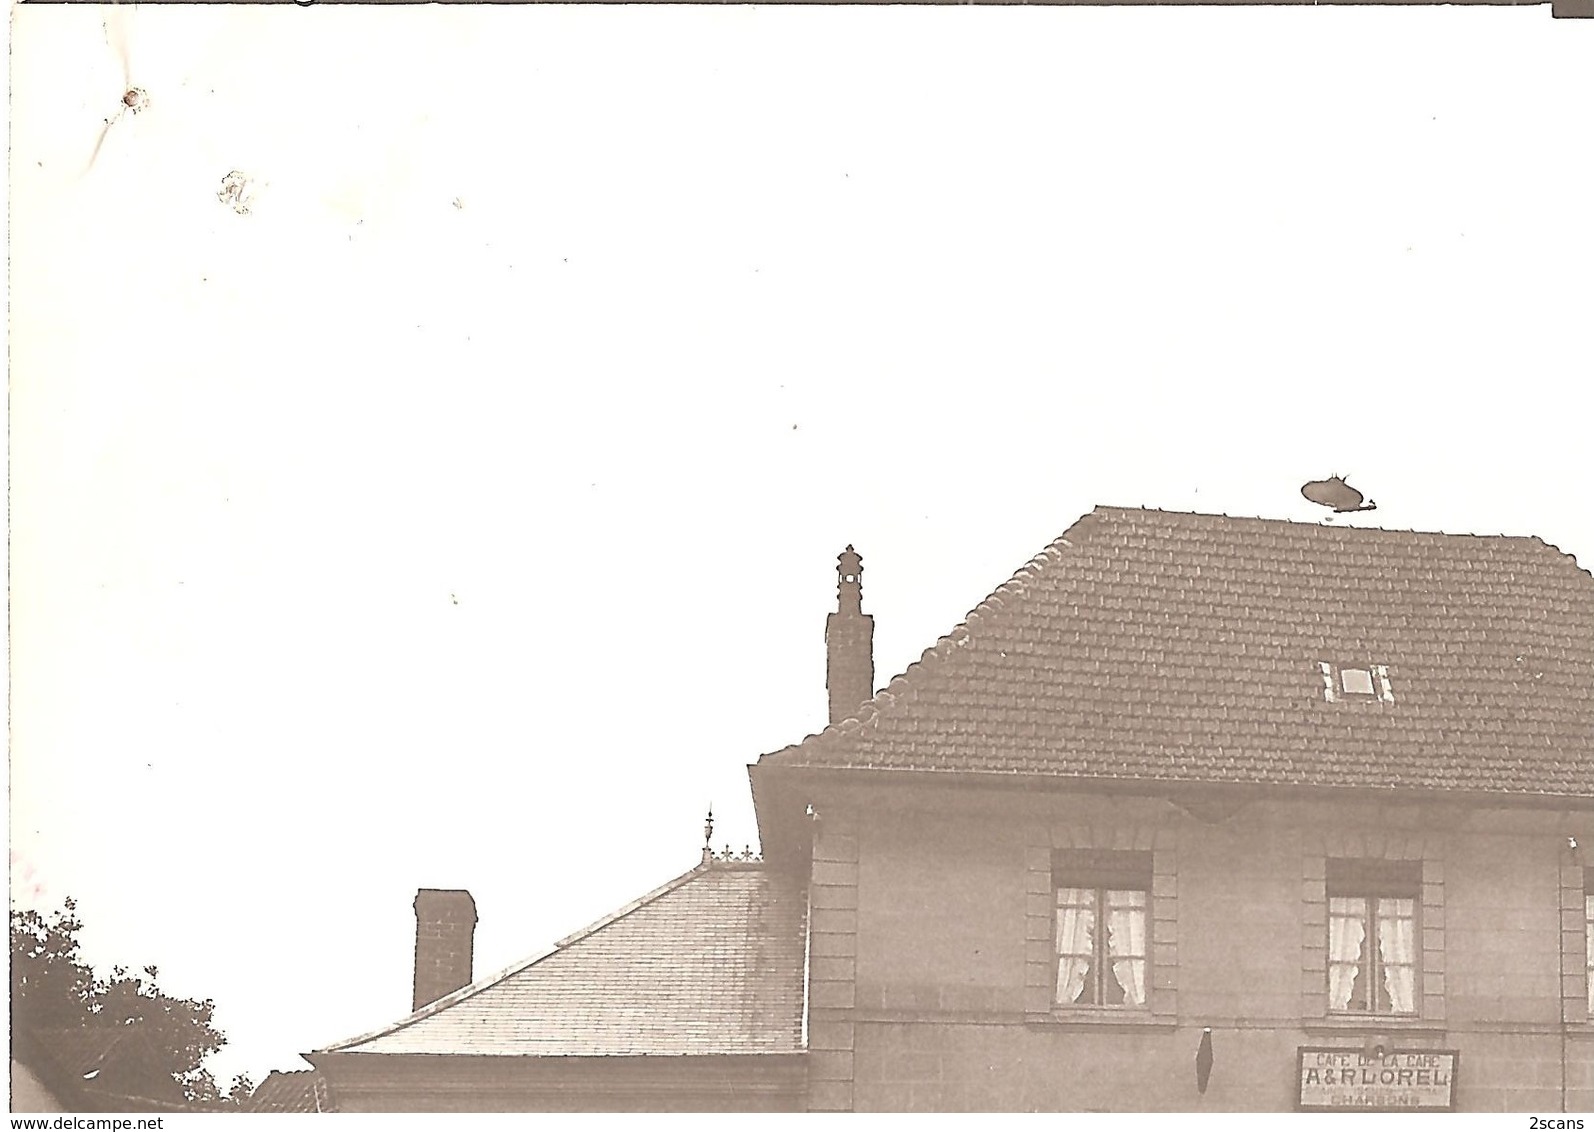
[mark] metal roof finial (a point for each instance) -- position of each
(708, 835)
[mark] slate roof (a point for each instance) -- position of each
(299, 1090)
(1181, 647)
(710, 963)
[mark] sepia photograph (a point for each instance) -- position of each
(893, 558)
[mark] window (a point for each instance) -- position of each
(1102, 902)
(1372, 936)
(1588, 932)
(1356, 681)
(1352, 682)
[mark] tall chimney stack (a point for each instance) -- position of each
(445, 937)
(849, 642)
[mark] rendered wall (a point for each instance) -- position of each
(936, 1007)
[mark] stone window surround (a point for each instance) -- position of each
(1370, 883)
(1372, 846)
(1040, 959)
(1101, 885)
(1577, 880)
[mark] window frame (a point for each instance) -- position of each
(1588, 936)
(1101, 873)
(1373, 881)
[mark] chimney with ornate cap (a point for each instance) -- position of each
(849, 642)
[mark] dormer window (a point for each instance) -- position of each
(1351, 682)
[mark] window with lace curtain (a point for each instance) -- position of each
(1373, 936)
(1588, 931)
(1103, 902)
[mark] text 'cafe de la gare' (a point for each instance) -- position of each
(1333, 1079)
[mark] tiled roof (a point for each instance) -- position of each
(1179, 647)
(302, 1090)
(711, 963)
(84, 1049)
(100, 1067)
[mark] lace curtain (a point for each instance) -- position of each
(1076, 933)
(1126, 943)
(1397, 948)
(1347, 931)
(1349, 965)
(1124, 953)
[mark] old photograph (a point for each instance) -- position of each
(879, 558)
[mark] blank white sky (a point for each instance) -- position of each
(465, 515)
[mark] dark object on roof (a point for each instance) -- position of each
(1336, 493)
(300, 1090)
(1167, 647)
(710, 963)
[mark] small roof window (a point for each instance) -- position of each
(1356, 681)
(1352, 682)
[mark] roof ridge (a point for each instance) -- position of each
(477, 986)
(1371, 529)
(1322, 524)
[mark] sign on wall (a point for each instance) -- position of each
(1402, 1080)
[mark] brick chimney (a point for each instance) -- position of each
(445, 936)
(849, 642)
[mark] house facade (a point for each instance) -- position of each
(992, 950)
(1194, 812)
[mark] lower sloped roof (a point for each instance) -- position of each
(710, 963)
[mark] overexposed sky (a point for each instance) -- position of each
(465, 514)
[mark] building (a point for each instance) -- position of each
(296, 1091)
(89, 1068)
(1194, 812)
(687, 999)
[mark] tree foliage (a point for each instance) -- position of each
(52, 987)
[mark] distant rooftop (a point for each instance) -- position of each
(299, 1090)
